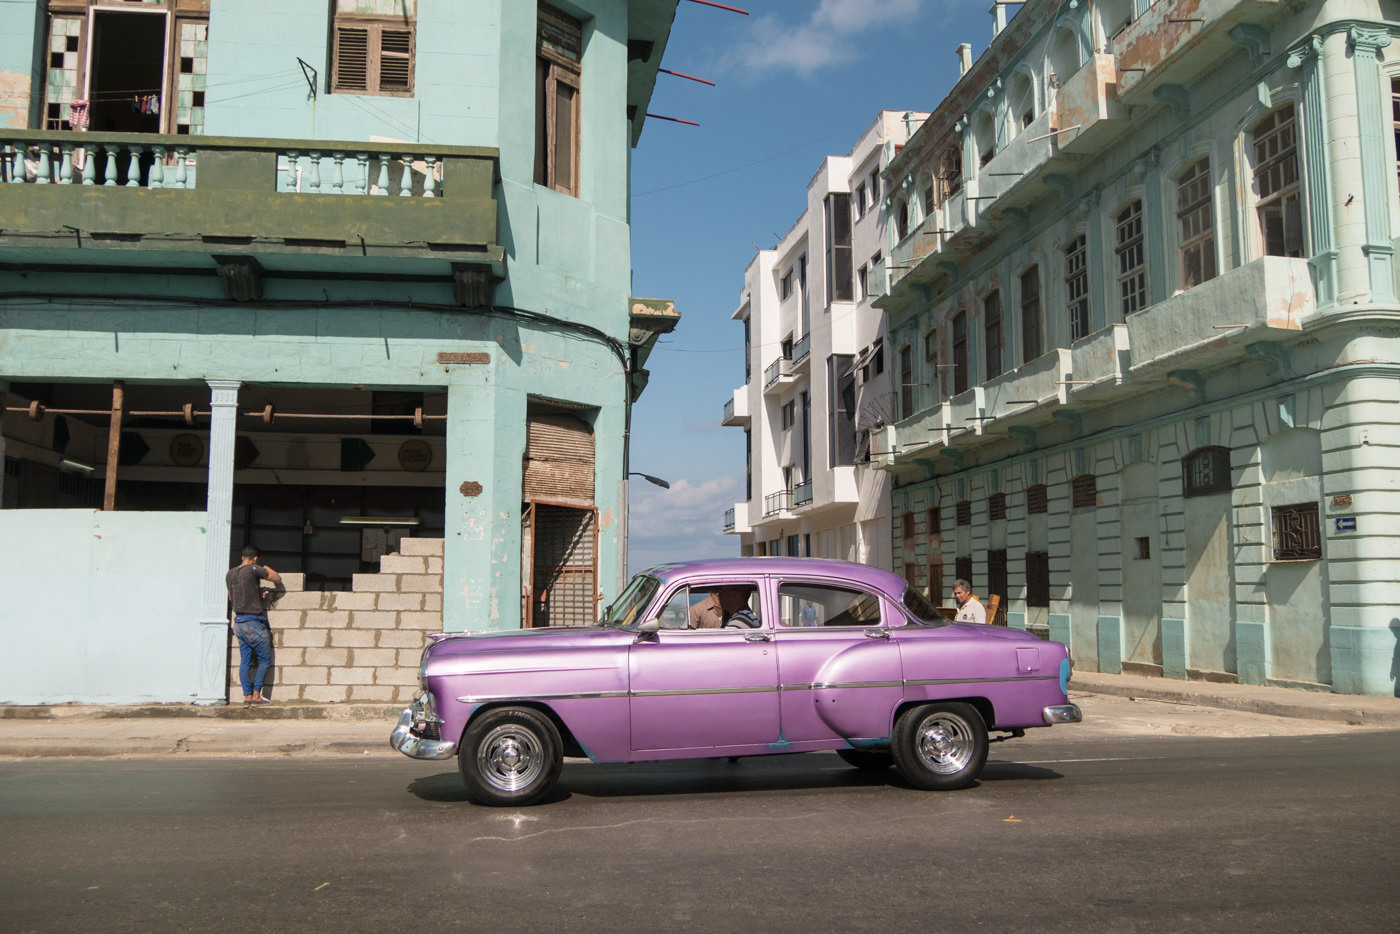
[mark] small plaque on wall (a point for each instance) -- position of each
(415, 455)
(186, 450)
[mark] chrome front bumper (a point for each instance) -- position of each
(1062, 713)
(406, 741)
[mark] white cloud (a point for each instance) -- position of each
(831, 35)
(683, 522)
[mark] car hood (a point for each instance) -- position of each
(527, 648)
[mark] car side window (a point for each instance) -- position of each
(825, 605)
(676, 613)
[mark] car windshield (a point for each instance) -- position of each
(626, 610)
(921, 608)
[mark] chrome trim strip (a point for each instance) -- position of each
(756, 689)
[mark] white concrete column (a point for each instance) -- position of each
(213, 622)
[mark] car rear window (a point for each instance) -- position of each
(922, 609)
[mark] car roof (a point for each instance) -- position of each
(878, 578)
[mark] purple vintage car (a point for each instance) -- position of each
(736, 657)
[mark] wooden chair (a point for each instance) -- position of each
(995, 617)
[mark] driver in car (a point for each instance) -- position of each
(727, 607)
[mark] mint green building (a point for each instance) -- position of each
(320, 275)
(1143, 313)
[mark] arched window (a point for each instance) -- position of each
(1022, 100)
(1276, 187)
(985, 138)
(1064, 57)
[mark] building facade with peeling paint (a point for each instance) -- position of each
(1149, 330)
(320, 276)
(817, 382)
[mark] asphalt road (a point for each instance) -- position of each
(1067, 833)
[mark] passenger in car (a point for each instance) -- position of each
(726, 607)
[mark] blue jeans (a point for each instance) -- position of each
(254, 640)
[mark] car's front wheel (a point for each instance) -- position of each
(866, 760)
(510, 755)
(940, 746)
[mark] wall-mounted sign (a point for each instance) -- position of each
(1339, 502)
(1345, 523)
(415, 455)
(187, 450)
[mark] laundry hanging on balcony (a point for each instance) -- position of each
(145, 104)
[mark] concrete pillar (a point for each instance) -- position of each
(213, 623)
(1376, 172)
(481, 549)
(1322, 246)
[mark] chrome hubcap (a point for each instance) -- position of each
(945, 744)
(510, 757)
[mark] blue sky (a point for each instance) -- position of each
(796, 80)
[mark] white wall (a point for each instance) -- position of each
(100, 607)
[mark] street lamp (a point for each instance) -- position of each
(650, 479)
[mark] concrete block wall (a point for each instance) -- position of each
(360, 646)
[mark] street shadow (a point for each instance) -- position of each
(797, 772)
(1395, 658)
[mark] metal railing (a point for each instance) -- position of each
(729, 519)
(802, 348)
(802, 493)
(775, 503)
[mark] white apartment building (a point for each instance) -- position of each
(817, 380)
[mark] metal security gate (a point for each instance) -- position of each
(560, 531)
(564, 578)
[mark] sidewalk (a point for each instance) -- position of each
(363, 729)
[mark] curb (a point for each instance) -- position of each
(1356, 710)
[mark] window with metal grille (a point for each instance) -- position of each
(1297, 534)
(1037, 499)
(1077, 287)
(934, 523)
(1037, 578)
(1205, 470)
(1084, 493)
(964, 512)
(1144, 548)
(558, 84)
(373, 52)
(991, 327)
(1132, 260)
(1196, 223)
(961, 376)
(962, 567)
(1030, 314)
(950, 171)
(1277, 191)
(996, 506)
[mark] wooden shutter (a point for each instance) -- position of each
(351, 65)
(396, 60)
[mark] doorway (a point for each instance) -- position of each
(126, 73)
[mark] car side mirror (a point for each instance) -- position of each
(651, 625)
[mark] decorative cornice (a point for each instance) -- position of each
(1176, 97)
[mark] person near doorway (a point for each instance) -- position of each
(250, 624)
(970, 610)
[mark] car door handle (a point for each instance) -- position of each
(877, 633)
(757, 637)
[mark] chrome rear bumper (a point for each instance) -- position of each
(414, 746)
(1062, 713)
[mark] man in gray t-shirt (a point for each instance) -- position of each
(250, 621)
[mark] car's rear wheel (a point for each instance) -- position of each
(940, 746)
(510, 755)
(866, 760)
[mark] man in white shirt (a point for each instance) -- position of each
(969, 609)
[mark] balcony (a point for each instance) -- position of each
(1165, 46)
(802, 352)
(1011, 176)
(1086, 111)
(777, 503)
(314, 205)
(736, 409)
(1259, 301)
(802, 493)
(1099, 360)
(729, 519)
(779, 373)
